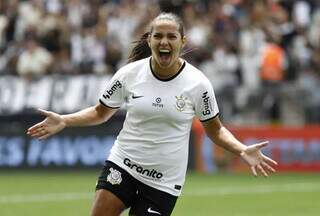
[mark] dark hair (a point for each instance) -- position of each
(141, 49)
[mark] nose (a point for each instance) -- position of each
(164, 41)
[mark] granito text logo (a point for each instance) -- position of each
(206, 103)
(116, 85)
(150, 173)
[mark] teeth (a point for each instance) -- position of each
(164, 51)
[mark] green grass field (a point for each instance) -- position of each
(71, 193)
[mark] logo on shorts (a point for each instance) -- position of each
(114, 177)
(180, 103)
(153, 211)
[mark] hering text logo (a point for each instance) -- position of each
(117, 85)
(206, 103)
(151, 173)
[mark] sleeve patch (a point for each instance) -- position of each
(115, 86)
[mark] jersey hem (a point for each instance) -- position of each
(170, 191)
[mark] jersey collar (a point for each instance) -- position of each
(170, 78)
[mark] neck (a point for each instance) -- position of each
(165, 73)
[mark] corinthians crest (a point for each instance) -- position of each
(180, 103)
(114, 177)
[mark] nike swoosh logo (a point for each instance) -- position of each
(135, 97)
(153, 212)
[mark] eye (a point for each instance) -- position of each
(157, 36)
(172, 37)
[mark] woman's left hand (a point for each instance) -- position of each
(257, 160)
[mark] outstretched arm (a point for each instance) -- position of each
(53, 123)
(251, 154)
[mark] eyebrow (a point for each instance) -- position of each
(169, 33)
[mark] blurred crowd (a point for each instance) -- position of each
(262, 56)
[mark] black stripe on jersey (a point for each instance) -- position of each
(170, 78)
(210, 118)
(104, 104)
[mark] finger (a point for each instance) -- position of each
(262, 170)
(35, 134)
(44, 112)
(35, 127)
(265, 158)
(268, 167)
(44, 136)
(253, 169)
(39, 133)
(262, 144)
(35, 130)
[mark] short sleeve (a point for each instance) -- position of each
(114, 94)
(206, 106)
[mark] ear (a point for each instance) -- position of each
(148, 40)
(184, 41)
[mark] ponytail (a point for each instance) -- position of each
(141, 49)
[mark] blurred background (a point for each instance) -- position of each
(262, 57)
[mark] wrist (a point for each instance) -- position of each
(64, 120)
(242, 151)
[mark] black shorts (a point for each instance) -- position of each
(142, 199)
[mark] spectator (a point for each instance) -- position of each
(34, 60)
(272, 74)
(83, 36)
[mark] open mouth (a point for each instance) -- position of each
(164, 54)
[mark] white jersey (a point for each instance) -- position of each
(153, 143)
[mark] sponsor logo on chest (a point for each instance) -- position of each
(157, 103)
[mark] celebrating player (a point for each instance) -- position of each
(146, 168)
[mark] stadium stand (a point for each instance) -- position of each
(46, 43)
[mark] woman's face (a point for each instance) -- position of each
(166, 43)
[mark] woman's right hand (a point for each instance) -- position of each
(52, 124)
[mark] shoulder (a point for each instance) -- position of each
(134, 66)
(196, 75)
(131, 70)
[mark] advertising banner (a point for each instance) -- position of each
(295, 149)
(73, 147)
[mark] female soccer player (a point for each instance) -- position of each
(146, 168)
